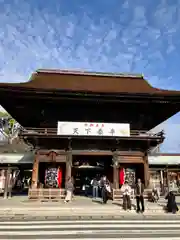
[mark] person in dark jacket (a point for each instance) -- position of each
(171, 204)
(105, 189)
(139, 191)
(86, 186)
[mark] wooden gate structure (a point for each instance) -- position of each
(72, 96)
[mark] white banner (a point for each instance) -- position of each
(93, 129)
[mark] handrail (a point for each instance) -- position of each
(53, 131)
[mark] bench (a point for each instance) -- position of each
(44, 194)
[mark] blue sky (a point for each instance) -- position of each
(99, 35)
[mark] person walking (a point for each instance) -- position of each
(139, 191)
(126, 191)
(95, 188)
(69, 190)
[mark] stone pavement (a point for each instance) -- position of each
(80, 206)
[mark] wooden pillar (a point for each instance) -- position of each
(146, 171)
(7, 178)
(69, 162)
(167, 179)
(115, 171)
(35, 172)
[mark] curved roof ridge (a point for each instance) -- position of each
(88, 73)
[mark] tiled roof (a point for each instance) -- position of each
(88, 81)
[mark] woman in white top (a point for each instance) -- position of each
(126, 191)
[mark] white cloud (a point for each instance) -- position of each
(32, 39)
(136, 36)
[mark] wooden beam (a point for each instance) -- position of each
(51, 156)
(130, 153)
(58, 159)
(92, 153)
(46, 151)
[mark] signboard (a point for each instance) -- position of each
(93, 129)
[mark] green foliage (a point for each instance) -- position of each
(8, 124)
(4, 114)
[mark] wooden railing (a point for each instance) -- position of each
(53, 131)
(59, 194)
